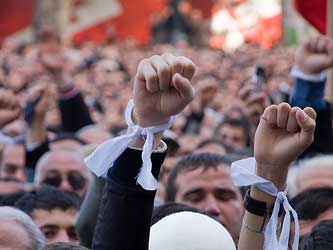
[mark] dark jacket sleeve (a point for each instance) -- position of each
(74, 113)
(89, 209)
(32, 156)
(311, 94)
(126, 209)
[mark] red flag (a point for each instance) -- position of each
(314, 11)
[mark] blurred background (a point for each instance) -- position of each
(219, 24)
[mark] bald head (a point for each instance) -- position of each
(63, 169)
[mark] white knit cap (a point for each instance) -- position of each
(189, 231)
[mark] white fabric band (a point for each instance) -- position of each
(102, 159)
(297, 73)
(243, 174)
(5, 139)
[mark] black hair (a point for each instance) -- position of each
(68, 136)
(241, 123)
(321, 237)
(63, 246)
(311, 203)
(172, 208)
(206, 142)
(192, 162)
(11, 199)
(47, 198)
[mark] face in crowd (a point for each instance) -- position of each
(64, 170)
(12, 164)
(209, 188)
(54, 212)
(234, 134)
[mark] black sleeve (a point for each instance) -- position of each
(86, 222)
(74, 113)
(125, 214)
(32, 156)
(323, 136)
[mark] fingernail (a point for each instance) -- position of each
(303, 115)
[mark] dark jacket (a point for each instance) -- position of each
(126, 209)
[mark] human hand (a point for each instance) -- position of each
(254, 103)
(162, 88)
(282, 135)
(41, 94)
(315, 55)
(10, 108)
(205, 94)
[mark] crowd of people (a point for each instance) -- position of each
(76, 174)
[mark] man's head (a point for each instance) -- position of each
(311, 173)
(234, 133)
(63, 169)
(313, 206)
(12, 164)
(13, 224)
(53, 211)
(203, 181)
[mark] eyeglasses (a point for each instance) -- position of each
(75, 179)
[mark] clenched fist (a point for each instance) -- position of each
(10, 108)
(316, 55)
(282, 135)
(162, 88)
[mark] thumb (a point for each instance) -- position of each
(184, 87)
(306, 121)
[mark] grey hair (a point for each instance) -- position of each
(37, 238)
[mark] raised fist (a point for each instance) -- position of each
(162, 88)
(42, 96)
(282, 135)
(254, 103)
(10, 108)
(315, 55)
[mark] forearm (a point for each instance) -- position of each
(252, 232)
(126, 209)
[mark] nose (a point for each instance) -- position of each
(62, 236)
(65, 186)
(212, 207)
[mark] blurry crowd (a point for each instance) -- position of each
(65, 100)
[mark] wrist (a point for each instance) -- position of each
(146, 121)
(277, 174)
(139, 142)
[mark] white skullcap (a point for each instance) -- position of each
(189, 231)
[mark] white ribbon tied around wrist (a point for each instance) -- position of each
(5, 139)
(103, 158)
(243, 174)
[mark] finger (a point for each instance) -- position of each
(307, 125)
(188, 67)
(322, 45)
(183, 87)
(174, 63)
(272, 115)
(311, 113)
(282, 115)
(163, 71)
(150, 77)
(246, 91)
(256, 99)
(292, 124)
(313, 44)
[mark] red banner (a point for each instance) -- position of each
(314, 11)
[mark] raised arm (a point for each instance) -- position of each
(162, 89)
(312, 59)
(282, 135)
